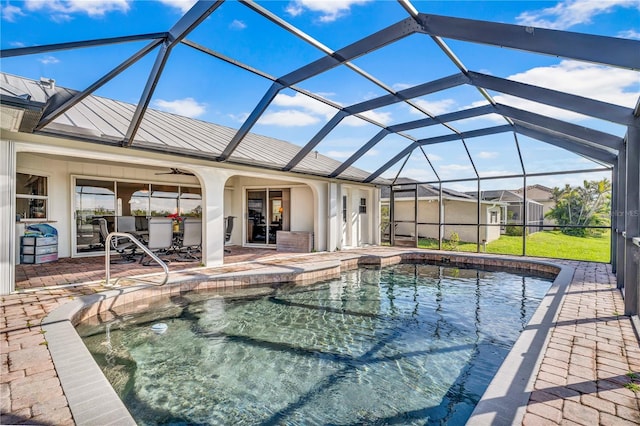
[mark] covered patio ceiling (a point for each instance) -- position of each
(46, 116)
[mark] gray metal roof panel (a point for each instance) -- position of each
(98, 116)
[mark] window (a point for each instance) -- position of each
(363, 205)
(494, 217)
(31, 196)
(344, 208)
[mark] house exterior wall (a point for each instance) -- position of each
(359, 227)
(60, 186)
(302, 208)
(221, 184)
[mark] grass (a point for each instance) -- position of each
(552, 244)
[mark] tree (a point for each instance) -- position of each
(588, 205)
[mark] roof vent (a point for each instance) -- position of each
(47, 83)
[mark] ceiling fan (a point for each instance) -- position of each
(176, 171)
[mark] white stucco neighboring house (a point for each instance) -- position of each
(459, 213)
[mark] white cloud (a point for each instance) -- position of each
(401, 86)
(379, 117)
(632, 34)
(11, 12)
(302, 110)
(187, 107)
(298, 110)
(240, 118)
(305, 103)
(435, 107)
(62, 9)
(612, 85)
(46, 60)
(568, 13)
(182, 5)
(329, 10)
(487, 154)
(237, 25)
(288, 118)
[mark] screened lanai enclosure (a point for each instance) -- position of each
(482, 151)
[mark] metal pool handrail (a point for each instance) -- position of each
(152, 255)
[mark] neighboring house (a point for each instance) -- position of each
(458, 211)
(61, 176)
(542, 195)
(513, 212)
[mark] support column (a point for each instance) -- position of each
(7, 216)
(620, 216)
(213, 225)
(376, 217)
(632, 221)
(334, 218)
(613, 244)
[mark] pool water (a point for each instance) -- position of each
(408, 344)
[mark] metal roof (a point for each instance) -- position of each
(101, 120)
(107, 120)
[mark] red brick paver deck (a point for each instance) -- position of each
(587, 376)
(592, 363)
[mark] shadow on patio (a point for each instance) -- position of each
(68, 270)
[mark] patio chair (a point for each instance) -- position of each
(160, 238)
(227, 230)
(128, 224)
(124, 247)
(191, 241)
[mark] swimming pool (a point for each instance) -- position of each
(408, 344)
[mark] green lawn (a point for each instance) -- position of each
(552, 244)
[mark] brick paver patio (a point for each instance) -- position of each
(588, 376)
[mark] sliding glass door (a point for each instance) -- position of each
(267, 212)
(93, 198)
(97, 199)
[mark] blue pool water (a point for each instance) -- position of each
(409, 344)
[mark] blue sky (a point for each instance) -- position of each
(208, 89)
